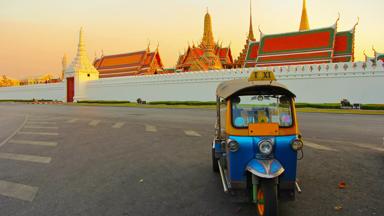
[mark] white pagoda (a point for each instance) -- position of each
(79, 72)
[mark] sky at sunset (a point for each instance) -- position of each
(34, 35)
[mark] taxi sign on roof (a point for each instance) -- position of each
(262, 75)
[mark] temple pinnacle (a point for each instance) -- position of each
(250, 33)
(208, 41)
(81, 46)
(304, 24)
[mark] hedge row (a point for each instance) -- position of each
(372, 107)
(337, 106)
(318, 106)
(193, 103)
(205, 103)
(104, 102)
(25, 101)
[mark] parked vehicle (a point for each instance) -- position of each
(257, 141)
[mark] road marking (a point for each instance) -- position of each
(40, 122)
(23, 157)
(39, 127)
(369, 147)
(29, 142)
(192, 133)
(15, 132)
(72, 120)
(38, 133)
(18, 191)
(318, 147)
(118, 125)
(360, 145)
(94, 123)
(42, 119)
(150, 128)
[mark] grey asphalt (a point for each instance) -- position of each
(130, 170)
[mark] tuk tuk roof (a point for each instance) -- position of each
(229, 88)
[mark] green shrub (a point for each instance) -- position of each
(16, 101)
(372, 107)
(337, 106)
(191, 103)
(103, 102)
(318, 106)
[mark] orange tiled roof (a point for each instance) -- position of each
(128, 64)
(225, 55)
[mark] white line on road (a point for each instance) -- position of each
(29, 142)
(150, 128)
(23, 157)
(38, 133)
(39, 127)
(72, 120)
(40, 119)
(40, 122)
(18, 191)
(94, 123)
(15, 132)
(318, 147)
(369, 147)
(118, 125)
(360, 145)
(192, 133)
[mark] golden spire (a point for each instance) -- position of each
(64, 65)
(208, 41)
(250, 33)
(64, 62)
(304, 24)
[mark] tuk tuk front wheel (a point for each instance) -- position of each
(215, 166)
(267, 203)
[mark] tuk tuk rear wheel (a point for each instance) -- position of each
(215, 166)
(267, 203)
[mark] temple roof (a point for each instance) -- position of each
(302, 47)
(344, 47)
(225, 55)
(379, 56)
(121, 60)
(127, 64)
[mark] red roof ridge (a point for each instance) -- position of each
(124, 54)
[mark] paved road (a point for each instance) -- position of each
(75, 160)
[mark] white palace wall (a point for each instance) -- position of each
(50, 91)
(326, 83)
(358, 82)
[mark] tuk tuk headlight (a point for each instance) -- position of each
(297, 144)
(233, 146)
(266, 147)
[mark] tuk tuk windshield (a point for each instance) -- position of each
(253, 109)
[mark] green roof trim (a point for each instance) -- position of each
(296, 60)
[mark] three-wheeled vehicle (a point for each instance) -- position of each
(257, 140)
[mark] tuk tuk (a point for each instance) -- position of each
(257, 141)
